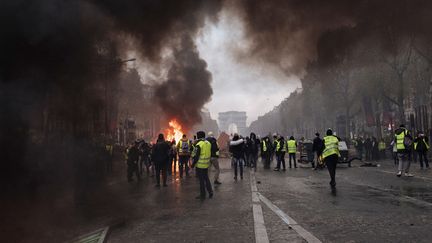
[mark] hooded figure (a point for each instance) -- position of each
(421, 146)
(237, 148)
(160, 157)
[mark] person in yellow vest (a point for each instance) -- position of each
(331, 155)
(403, 142)
(382, 149)
(421, 146)
(184, 148)
(265, 152)
(292, 149)
(201, 159)
(280, 153)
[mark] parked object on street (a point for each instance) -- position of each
(344, 154)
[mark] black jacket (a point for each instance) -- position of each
(237, 148)
(133, 155)
(160, 152)
(253, 145)
(421, 146)
(214, 147)
(317, 144)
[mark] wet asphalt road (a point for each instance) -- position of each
(371, 205)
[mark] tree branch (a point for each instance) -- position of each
(391, 99)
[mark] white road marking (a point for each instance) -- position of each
(259, 225)
(306, 235)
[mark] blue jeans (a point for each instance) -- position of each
(238, 162)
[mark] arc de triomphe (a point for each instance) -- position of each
(227, 119)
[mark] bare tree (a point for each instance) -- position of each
(399, 61)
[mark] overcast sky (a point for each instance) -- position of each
(240, 85)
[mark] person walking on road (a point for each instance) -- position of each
(160, 158)
(265, 152)
(273, 147)
(184, 148)
(253, 147)
(280, 153)
(317, 148)
(421, 146)
(132, 159)
(173, 157)
(331, 155)
(292, 149)
(214, 159)
(237, 148)
(201, 159)
(403, 142)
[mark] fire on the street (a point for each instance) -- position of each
(174, 132)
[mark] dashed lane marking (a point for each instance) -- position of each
(259, 225)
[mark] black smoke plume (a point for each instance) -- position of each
(292, 33)
(188, 86)
(57, 59)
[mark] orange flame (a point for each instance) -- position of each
(174, 131)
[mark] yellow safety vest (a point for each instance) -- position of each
(277, 145)
(109, 149)
(400, 140)
(126, 155)
(331, 146)
(284, 146)
(180, 146)
(292, 146)
(264, 146)
(205, 154)
(381, 146)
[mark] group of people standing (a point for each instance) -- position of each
(247, 150)
(370, 148)
(201, 153)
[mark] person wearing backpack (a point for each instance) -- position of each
(403, 141)
(184, 148)
(214, 159)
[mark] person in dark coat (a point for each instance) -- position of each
(237, 148)
(317, 148)
(421, 146)
(368, 149)
(375, 151)
(160, 158)
(253, 147)
(132, 154)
